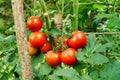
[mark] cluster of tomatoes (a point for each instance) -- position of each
(38, 40)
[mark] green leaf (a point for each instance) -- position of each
(79, 66)
(102, 48)
(65, 72)
(54, 77)
(113, 22)
(85, 77)
(111, 71)
(55, 32)
(73, 78)
(99, 48)
(97, 59)
(36, 61)
(94, 75)
(98, 6)
(103, 15)
(81, 56)
(45, 69)
(91, 39)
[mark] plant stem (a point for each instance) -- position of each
(75, 14)
(62, 6)
(42, 3)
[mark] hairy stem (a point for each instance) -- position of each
(75, 14)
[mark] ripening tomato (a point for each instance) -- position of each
(53, 58)
(68, 56)
(31, 49)
(46, 47)
(34, 23)
(37, 39)
(78, 39)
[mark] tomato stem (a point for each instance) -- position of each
(75, 14)
(46, 15)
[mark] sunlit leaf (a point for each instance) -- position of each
(45, 69)
(97, 59)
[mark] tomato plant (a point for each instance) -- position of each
(78, 39)
(99, 56)
(37, 39)
(46, 47)
(31, 49)
(34, 23)
(68, 56)
(53, 58)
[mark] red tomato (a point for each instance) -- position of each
(34, 23)
(53, 58)
(78, 39)
(66, 40)
(68, 56)
(37, 39)
(46, 47)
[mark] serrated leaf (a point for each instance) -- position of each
(91, 39)
(80, 56)
(45, 69)
(99, 48)
(111, 71)
(113, 22)
(97, 59)
(102, 48)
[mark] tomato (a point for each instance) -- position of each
(68, 56)
(53, 58)
(46, 47)
(31, 49)
(37, 39)
(34, 23)
(66, 40)
(78, 39)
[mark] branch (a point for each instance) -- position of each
(103, 33)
